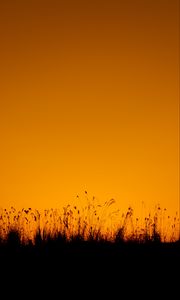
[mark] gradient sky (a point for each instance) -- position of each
(89, 95)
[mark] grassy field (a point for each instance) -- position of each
(89, 244)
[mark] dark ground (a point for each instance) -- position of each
(116, 268)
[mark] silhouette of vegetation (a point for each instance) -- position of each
(93, 223)
(78, 241)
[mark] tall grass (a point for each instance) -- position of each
(93, 222)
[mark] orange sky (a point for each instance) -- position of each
(89, 101)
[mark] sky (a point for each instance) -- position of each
(89, 97)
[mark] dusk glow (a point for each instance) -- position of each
(89, 101)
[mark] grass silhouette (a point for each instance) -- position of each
(93, 222)
(68, 245)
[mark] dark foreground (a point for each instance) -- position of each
(104, 267)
